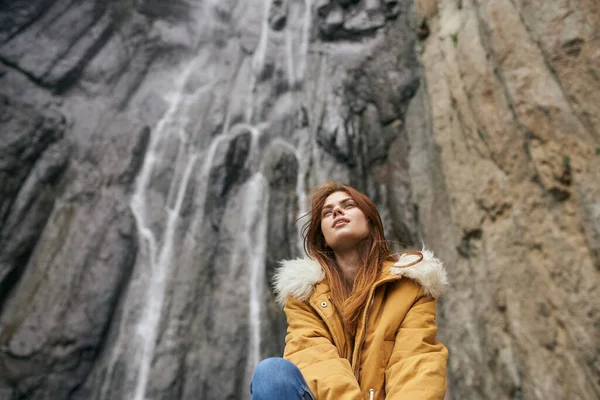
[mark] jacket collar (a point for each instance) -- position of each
(298, 278)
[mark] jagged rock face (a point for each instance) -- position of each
(513, 97)
(154, 159)
(155, 156)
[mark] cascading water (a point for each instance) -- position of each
(157, 257)
(258, 60)
(254, 240)
(144, 313)
(132, 355)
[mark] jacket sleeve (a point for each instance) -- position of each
(417, 367)
(309, 345)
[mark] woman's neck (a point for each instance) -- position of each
(349, 262)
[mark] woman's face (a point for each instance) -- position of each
(344, 225)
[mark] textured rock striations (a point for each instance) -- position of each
(512, 95)
(154, 158)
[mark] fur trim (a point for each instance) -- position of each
(429, 272)
(297, 278)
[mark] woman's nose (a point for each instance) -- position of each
(337, 210)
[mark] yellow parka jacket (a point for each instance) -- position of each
(395, 355)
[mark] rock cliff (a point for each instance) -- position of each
(511, 92)
(156, 155)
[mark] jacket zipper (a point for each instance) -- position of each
(371, 394)
(348, 349)
(364, 337)
(366, 319)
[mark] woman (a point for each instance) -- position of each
(361, 321)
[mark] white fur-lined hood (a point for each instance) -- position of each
(298, 278)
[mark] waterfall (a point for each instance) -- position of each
(157, 256)
(142, 311)
(136, 340)
(298, 78)
(258, 60)
(255, 237)
(305, 39)
(147, 328)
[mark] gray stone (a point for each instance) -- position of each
(156, 156)
(34, 155)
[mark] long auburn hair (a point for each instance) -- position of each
(374, 251)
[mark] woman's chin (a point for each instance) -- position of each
(345, 241)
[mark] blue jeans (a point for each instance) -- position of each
(276, 378)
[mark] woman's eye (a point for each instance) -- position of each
(348, 205)
(326, 213)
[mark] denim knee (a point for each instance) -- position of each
(277, 378)
(276, 370)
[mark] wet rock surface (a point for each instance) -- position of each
(34, 157)
(155, 157)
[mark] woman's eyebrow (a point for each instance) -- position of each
(343, 202)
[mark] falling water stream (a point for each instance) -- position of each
(145, 312)
(255, 238)
(158, 253)
(134, 349)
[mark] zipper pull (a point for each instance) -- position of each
(371, 394)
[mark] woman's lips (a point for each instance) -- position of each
(339, 223)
